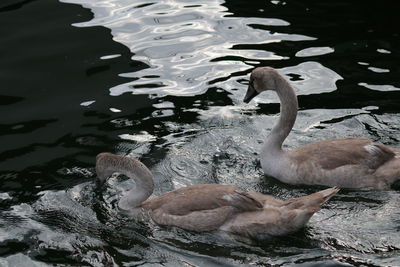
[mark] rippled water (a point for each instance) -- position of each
(163, 81)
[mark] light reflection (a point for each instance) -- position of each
(376, 87)
(378, 70)
(142, 137)
(87, 103)
(314, 51)
(200, 41)
(383, 51)
(110, 56)
(115, 110)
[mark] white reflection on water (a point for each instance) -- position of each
(314, 51)
(310, 78)
(189, 46)
(379, 87)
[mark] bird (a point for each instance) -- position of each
(210, 207)
(353, 163)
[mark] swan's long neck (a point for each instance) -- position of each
(289, 106)
(107, 164)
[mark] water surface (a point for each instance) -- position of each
(163, 81)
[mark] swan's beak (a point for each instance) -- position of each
(251, 93)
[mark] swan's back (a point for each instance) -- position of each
(200, 207)
(347, 163)
(333, 153)
(201, 197)
(222, 207)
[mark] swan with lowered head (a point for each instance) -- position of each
(209, 207)
(346, 162)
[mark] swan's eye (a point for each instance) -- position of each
(251, 83)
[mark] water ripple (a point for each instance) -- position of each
(186, 47)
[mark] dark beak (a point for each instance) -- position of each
(251, 93)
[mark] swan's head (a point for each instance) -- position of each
(261, 79)
(108, 164)
(104, 166)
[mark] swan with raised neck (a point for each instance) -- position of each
(210, 207)
(346, 162)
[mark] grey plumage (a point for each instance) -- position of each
(346, 163)
(209, 207)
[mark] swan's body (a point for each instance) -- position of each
(347, 163)
(210, 207)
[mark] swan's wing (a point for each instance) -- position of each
(378, 155)
(242, 201)
(199, 221)
(202, 197)
(208, 205)
(334, 153)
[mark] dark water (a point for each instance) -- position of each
(163, 81)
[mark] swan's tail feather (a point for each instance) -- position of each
(314, 201)
(328, 193)
(303, 208)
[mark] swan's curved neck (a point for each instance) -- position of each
(289, 106)
(107, 164)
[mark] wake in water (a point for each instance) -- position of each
(86, 226)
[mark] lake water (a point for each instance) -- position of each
(163, 81)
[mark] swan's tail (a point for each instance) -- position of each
(302, 208)
(314, 201)
(107, 164)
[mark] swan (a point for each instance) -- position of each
(346, 163)
(210, 207)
